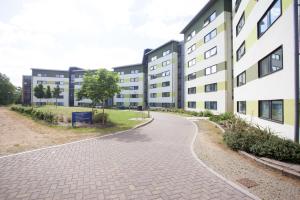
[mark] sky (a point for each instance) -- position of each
(91, 34)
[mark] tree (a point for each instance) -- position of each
(99, 86)
(48, 94)
(18, 95)
(39, 91)
(7, 90)
(55, 93)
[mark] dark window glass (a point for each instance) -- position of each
(271, 63)
(192, 90)
(165, 84)
(210, 35)
(210, 105)
(211, 87)
(240, 24)
(272, 14)
(271, 110)
(241, 107)
(192, 76)
(191, 104)
(241, 51)
(237, 5)
(241, 79)
(166, 94)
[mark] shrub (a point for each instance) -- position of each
(207, 113)
(98, 117)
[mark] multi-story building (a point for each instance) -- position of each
(266, 66)
(131, 82)
(164, 71)
(52, 78)
(26, 90)
(208, 60)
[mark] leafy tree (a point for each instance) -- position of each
(99, 86)
(18, 95)
(39, 91)
(55, 93)
(7, 90)
(48, 94)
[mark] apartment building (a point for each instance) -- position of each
(51, 78)
(266, 66)
(131, 82)
(26, 90)
(164, 72)
(208, 59)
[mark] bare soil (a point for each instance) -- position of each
(265, 183)
(19, 133)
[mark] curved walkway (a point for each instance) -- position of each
(152, 162)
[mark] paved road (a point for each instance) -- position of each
(152, 162)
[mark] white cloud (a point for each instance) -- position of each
(86, 33)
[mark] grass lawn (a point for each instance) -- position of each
(117, 119)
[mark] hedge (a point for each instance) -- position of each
(205, 113)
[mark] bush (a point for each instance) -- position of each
(260, 142)
(98, 117)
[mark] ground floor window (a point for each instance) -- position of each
(119, 104)
(271, 110)
(166, 94)
(191, 104)
(133, 104)
(241, 107)
(211, 105)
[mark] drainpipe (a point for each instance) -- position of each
(296, 71)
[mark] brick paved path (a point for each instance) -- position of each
(152, 162)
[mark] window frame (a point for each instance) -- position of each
(164, 93)
(209, 34)
(193, 61)
(270, 110)
(237, 25)
(237, 5)
(194, 73)
(192, 102)
(162, 84)
(194, 89)
(210, 69)
(215, 85)
(240, 57)
(209, 20)
(211, 55)
(270, 63)
(209, 102)
(237, 79)
(237, 107)
(259, 34)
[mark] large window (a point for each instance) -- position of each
(210, 53)
(153, 58)
(240, 24)
(165, 94)
(271, 110)
(191, 49)
(211, 87)
(191, 104)
(210, 35)
(211, 18)
(134, 79)
(153, 95)
(241, 51)
(166, 52)
(166, 73)
(272, 14)
(120, 95)
(134, 96)
(165, 84)
(191, 35)
(192, 90)
(192, 76)
(192, 62)
(237, 5)
(165, 63)
(241, 107)
(210, 70)
(153, 68)
(211, 105)
(241, 79)
(152, 86)
(134, 71)
(271, 63)
(153, 76)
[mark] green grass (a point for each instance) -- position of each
(118, 120)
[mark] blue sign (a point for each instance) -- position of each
(85, 117)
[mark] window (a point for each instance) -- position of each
(191, 49)
(191, 35)
(133, 87)
(241, 79)
(211, 70)
(153, 95)
(165, 94)
(152, 86)
(271, 63)
(271, 110)
(134, 96)
(134, 71)
(134, 79)
(120, 95)
(241, 107)
(210, 35)
(166, 73)
(133, 104)
(121, 73)
(120, 104)
(211, 87)
(80, 76)
(59, 82)
(272, 14)
(240, 24)
(192, 76)
(192, 62)
(121, 80)
(191, 104)
(210, 105)
(153, 76)
(211, 18)
(153, 68)
(192, 90)
(39, 75)
(153, 58)
(165, 84)
(59, 76)
(210, 53)
(237, 5)
(166, 52)
(241, 51)
(165, 63)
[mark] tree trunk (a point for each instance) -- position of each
(103, 121)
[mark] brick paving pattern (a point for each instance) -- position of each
(152, 162)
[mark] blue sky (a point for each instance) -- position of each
(90, 34)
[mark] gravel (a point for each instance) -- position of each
(213, 152)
